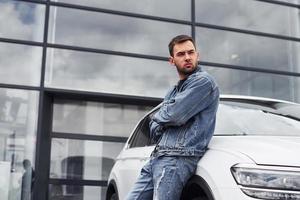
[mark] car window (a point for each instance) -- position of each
(141, 135)
(249, 119)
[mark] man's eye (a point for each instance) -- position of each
(181, 54)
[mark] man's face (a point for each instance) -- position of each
(185, 58)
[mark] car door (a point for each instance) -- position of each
(135, 155)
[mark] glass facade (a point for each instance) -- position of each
(108, 73)
(268, 18)
(241, 49)
(96, 118)
(92, 161)
(111, 32)
(241, 82)
(180, 9)
(76, 192)
(20, 64)
(18, 125)
(22, 20)
(77, 73)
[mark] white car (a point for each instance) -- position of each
(254, 154)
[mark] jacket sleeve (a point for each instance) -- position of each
(156, 130)
(176, 111)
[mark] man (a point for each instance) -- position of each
(27, 180)
(182, 127)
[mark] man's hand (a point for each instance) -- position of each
(156, 130)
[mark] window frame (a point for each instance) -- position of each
(133, 141)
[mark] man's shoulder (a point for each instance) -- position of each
(202, 77)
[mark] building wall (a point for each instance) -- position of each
(75, 76)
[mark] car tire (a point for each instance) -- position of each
(112, 191)
(197, 189)
(114, 197)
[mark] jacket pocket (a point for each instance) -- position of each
(181, 137)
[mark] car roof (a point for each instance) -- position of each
(228, 97)
(249, 99)
(262, 101)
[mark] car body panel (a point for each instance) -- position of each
(224, 151)
(129, 164)
(214, 168)
(273, 150)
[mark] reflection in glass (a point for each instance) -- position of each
(22, 20)
(247, 50)
(76, 192)
(107, 73)
(96, 118)
(177, 9)
(112, 32)
(18, 125)
(291, 1)
(250, 15)
(256, 84)
(20, 64)
(92, 161)
(256, 119)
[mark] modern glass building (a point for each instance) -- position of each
(75, 77)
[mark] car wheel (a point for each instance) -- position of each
(197, 189)
(112, 192)
(114, 197)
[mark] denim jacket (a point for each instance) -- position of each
(185, 122)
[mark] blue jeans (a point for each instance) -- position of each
(163, 178)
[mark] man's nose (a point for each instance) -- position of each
(187, 56)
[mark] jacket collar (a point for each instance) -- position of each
(198, 69)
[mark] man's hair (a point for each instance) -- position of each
(179, 39)
(26, 163)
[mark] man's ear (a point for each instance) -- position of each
(171, 60)
(198, 56)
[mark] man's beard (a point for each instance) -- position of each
(186, 71)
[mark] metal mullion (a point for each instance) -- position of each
(249, 32)
(43, 146)
(33, 1)
(193, 18)
(57, 181)
(253, 69)
(22, 87)
(100, 138)
(45, 44)
(103, 97)
(121, 13)
(23, 42)
(266, 1)
(109, 52)
(117, 53)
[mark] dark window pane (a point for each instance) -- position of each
(248, 50)
(96, 118)
(18, 125)
(142, 134)
(107, 73)
(76, 192)
(256, 84)
(177, 9)
(22, 20)
(250, 15)
(112, 32)
(92, 161)
(20, 64)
